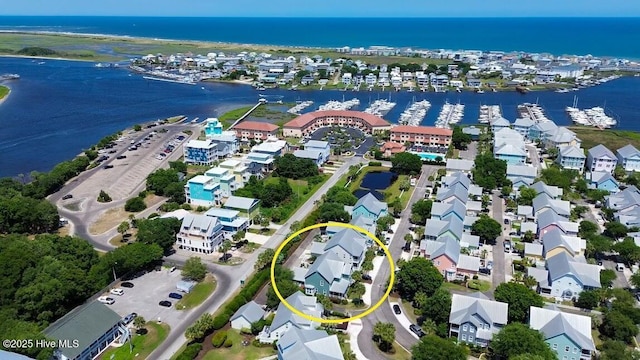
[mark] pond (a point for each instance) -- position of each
(374, 181)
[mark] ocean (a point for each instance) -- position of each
(58, 108)
(613, 37)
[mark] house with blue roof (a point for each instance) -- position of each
(446, 257)
(318, 151)
(297, 344)
(599, 158)
(543, 202)
(368, 206)
(562, 137)
(629, 158)
(571, 157)
(246, 315)
(568, 276)
(285, 319)
(347, 244)
(366, 223)
(474, 319)
(231, 220)
(553, 192)
(443, 210)
(200, 233)
(522, 126)
(435, 229)
(541, 130)
(455, 192)
(499, 123)
(603, 180)
(568, 335)
(511, 153)
(329, 275)
(521, 175)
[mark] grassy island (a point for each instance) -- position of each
(613, 139)
(4, 91)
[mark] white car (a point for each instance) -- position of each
(117, 291)
(106, 300)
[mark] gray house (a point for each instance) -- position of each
(298, 344)
(247, 315)
(475, 319)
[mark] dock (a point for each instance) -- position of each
(261, 102)
(450, 114)
(533, 112)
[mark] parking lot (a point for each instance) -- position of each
(148, 291)
(345, 138)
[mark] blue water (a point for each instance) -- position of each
(59, 108)
(597, 36)
(374, 181)
(428, 156)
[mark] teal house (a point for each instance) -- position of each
(329, 276)
(213, 127)
(201, 190)
(568, 335)
(368, 206)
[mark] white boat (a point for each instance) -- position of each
(450, 114)
(415, 113)
(488, 113)
(380, 107)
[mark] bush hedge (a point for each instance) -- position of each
(375, 163)
(228, 343)
(218, 339)
(190, 352)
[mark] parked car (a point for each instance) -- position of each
(417, 330)
(366, 277)
(396, 309)
(127, 284)
(68, 196)
(117, 291)
(225, 257)
(165, 303)
(121, 157)
(407, 247)
(108, 166)
(175, 296)
(106, 300)
(485, 271)
(129, 318)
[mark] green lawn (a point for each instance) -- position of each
(482, 285)
(299, 188)
(394, 191)
(3, 91)
(238, 351)
(409, 311)
(143, 345)
(199, 294)
(452, 286)
(613, 139)
(268, 232)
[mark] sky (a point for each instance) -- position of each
(326, 8)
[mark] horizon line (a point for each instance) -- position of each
(337, 17)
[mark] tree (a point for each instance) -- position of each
(526, 195)
(200, 328)
(588, 299)
(333, 212)
(340, 195)
(286, 286)
(175, 193)
(517, 339)
(587, 229)
(265, 222)
(161, 231)
(224, 248)
(404, 185)
(528, 236)
(139, 323)
(384, 334)
(617, 350)
(324, 301)
(406, 163)
(158, 180)
(506, 190)
(489, 172)
(460, 140)
(562, 178)
(396, 206)
(628, 250)
(419, 300)
(292, 167)
(520, 298)
(438, 306)
(275, 194)
(103, 197)
(606, 277)
(178, 166)
(356, 275)
(432, 347)
(617, 326)
(421, 211)
(264, 259)
(418, 274)
(194, 269)
(487, 229)
(135, 204)
(137, 127)
(615, 230)
(408, 238)
(635, 279)
(356, 291)
(598, 244)
(123, 227)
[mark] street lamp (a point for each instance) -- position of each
(115, 278)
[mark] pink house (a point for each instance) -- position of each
(445, 255)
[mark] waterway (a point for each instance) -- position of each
(58, 108)
(374, 182)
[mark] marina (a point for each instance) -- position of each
(594, 116)
(340, 105)
(450, 114)
(414, 114)
(380, 107)
(533, 112)
(488, 113)
(297, 109)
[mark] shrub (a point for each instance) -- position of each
(220, 321)
(190, 352)
(153, 215)
(375, 163)
(135, 204)
(218, 339)
(228, 343)
(104, 197)
(344, 302)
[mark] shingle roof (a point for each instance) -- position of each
(251, 311)
(463, 309)
(629, 197)
(350, 240)
(556, 238)
(457, 178)
(470, 263)
(562, 264)
(371, 203)
(563, 135)
(600, 151)
(500, 122)
(308, 154)
(299, 301)
(5, 355)
(552, 191)
(600, 177)
(628, 151)
(444, 210)
(542, 201)
(572, 151)
(548, 217)
(298, 344)
(553, 323)
(458, 191)
(329, 266)
(449, 248)
(85, 324)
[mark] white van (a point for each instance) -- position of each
(620, 266)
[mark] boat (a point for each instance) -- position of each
(450, 114)
(488, 113)
(414, 113)
(479, 91)
(380, 107)
(522, 89)
(178, 81)
(562, 91)
(9, 77)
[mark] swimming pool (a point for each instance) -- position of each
(429, 156)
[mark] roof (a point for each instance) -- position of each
(5, 355)
(449, 248)
(251, 311)
(552, 191)
(444, 210)
(553, 323)
(541, 276)
(316, 144)
(458, 191)
(269, 146)
(199, 225)
(308, 154)
(222, 213)
(562, 135)
(200, 179)
(470, 263)
(297, 344)
(329, 266)
(600, 177)
(533, 249)
(421, 130)
(500, 122)
(508, 133)
(629, 197)
(463, 309)
(628, 151)
(305, 119)
(563, 264)
(528, 226)
(525, 210)
(350, 240)
(556, 238)
(457, 178)
(572, 151)
(523, 122)
(393, 146)
(255, 126)
(299, 301)
(371, 203)
(85, 324)
(600, 151)
(239, 202)
(542, 201)
(178, 214)
(459, 164)
(200, 144)
(510, 149)
(522, 170)
(468, 240)
(549, 217)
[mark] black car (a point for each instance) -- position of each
(129, 318)
(225, 257)
(366, 277)
(121, 157)
(165, 303)
(417, 330)
(108, 166)
(485, 271)
(127, 284)
(175, 296)
(396, 309)
(68, 196)
(407, 247)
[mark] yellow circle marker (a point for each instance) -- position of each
(332, 321)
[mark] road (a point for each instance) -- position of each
(233, 274)
(498, 270)
(471, 152)
(385, 314)
(534, 156)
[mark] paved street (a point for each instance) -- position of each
(471, 152)
(385, 314)
(533, 156)
(498, 271)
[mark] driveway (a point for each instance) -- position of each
(471, 152)
(498, 270)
